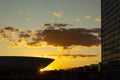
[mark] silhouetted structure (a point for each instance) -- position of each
(91, 68)
(21, 68)
(70, 75)
(110, 30)
(110, 39)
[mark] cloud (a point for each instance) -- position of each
(9, 34)
(71, 55)
(60, 25)
(98, 19)
(47, 24)
(33, 44)
(24, 35)
(56, 25)
(77, 19)
(65, 38)
(70, 37)
(87, 17)
(58, 14)
(2, 31)
(78, 55)
(28, 19)
(1, 38)
(12, 29)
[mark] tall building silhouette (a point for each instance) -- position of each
(110, 39)
(110, 30)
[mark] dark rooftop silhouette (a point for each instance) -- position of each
(22, 63)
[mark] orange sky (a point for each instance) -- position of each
(64, 59)
(66, 30)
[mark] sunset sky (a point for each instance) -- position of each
(66, 30)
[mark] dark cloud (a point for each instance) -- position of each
(12, 29)
(47, 24)
(29, 31)
(1, 31)
(72, 55)
(60, 25)
(79, 55)
(57, 37)
(63, 37)
(24, 35)
(69, 37)
(56, 24)
(33, 44)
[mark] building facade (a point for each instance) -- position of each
(110, 30)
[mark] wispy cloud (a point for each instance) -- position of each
(28, 19)
(56, 25)
(87, 17)
(1, 38)
(12, 29)
(98, 19)
(58, 14)
(71, 55)
(77, 20)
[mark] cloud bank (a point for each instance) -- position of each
(60, 37)
(70, 37)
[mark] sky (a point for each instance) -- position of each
(65, 30)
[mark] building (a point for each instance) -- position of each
(110, 30)
(110, 39)
(21, 68)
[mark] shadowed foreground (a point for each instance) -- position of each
(70, 75)
(50, 75)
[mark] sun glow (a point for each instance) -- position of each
(42, 70)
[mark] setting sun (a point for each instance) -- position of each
(42, 70)
(41, 29)
(65, 32)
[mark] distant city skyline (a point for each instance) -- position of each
(23, 24)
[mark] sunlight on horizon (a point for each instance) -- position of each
(52, 29)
